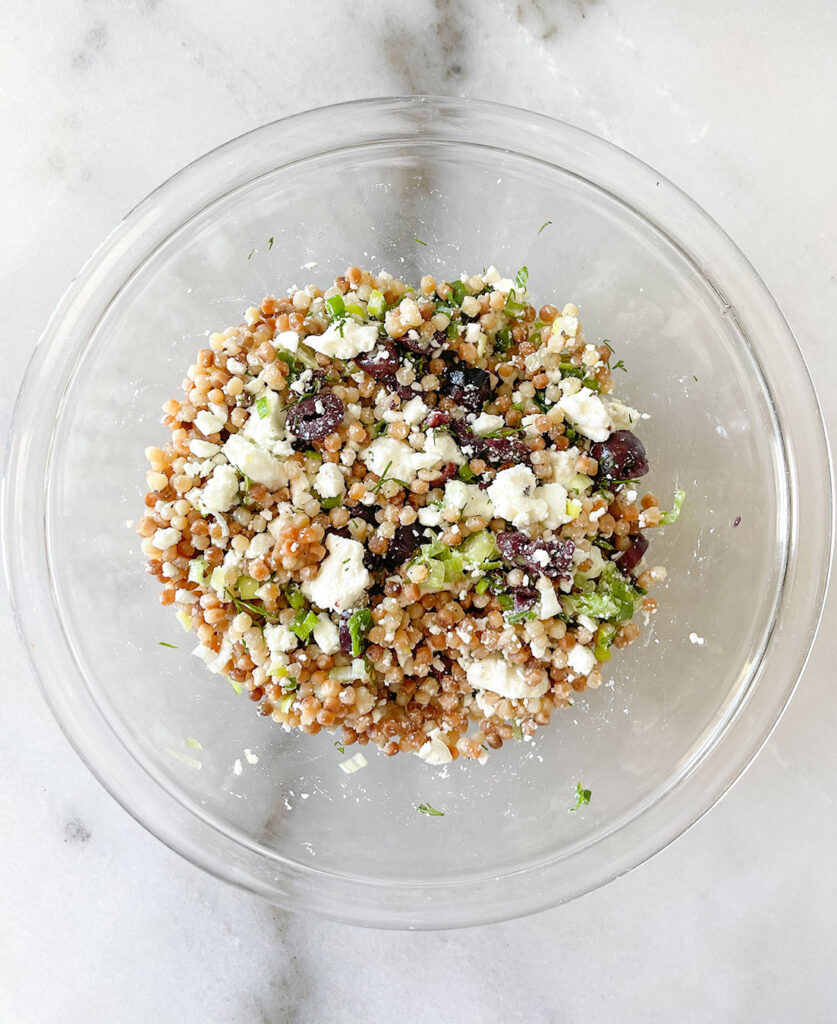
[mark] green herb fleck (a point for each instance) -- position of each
(163, 643)
(522, 277)
(459, 291)
(294, 596)
(430, 810)
(619, 365)
(466, 473)
(340, 746)
(380, 428)
(419, 241)
(582, 796)
(251, 609)
(270, 242)
(545, 224)
(250, 254)
(193, 743)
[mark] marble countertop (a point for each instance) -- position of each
(100, 102)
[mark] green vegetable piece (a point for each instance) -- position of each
(262, 407)
(482, 585)
(613, 598)
(198, 568)
(336, 306)
(247, 587)
(294, 596)
(604, 638)
(522, 277)
(667, 518)
(303, 624)
(466, 473)
(480, 548)
(360, 622)
(459, 291)
(430, 810)
(582, 796)
(163, 643)
(376, 304)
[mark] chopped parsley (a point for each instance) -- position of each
(251, 609)
(459, 291)
(522, 277)
(270, 242)
(582, 796)
(430, 810)
(619, 365)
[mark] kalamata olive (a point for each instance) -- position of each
(344, 637)
(315, 417)
(437, 418)
(495, 450)
(403, 544)
(365, 512)
(421, 345)
(404, 391)
(551, 558)
(448, 472)
(620, 457)
(381, 362)
(629, 559)
(468, 386)
(524, 598)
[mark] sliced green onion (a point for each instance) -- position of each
(522, 277)
(304, 623)
(247, 587)
(285, 704)
(482, 585)
(294, 596)
(336, 306)
(198, 568)
(466, 473)
(360, 622)
(376, 304)
(667, 518)
(263, 407)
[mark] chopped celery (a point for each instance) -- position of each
(247, 587)
(580, 483)
(604, 638)
(197, 571)
(294, 596)
(336, 306)
(479, 548)
(303, 624)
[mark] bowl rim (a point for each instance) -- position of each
(423, 904)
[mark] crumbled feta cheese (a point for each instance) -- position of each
(280, 640)
(255, 462)
(409, 312)
(430, 516)
(472, 333)
(414, 411)
(504, 678)
(435, 750)
(470, 305)
(288, 341)
(439, 449)
(396, 457)
(268, 431)
(326, 635)
(259, 546)
(581, 659)
(208, 423)
(512, 495)
(695, 639)
(485, 423)
(550, 606)
(588, 623)
(563, 465)
(590, 356)
(165, 538)
(623, 416)
(345, 339)
(203, 449)
(343, 578)
(221, 490)
(329, 481)
(588, 414)
(555, 496)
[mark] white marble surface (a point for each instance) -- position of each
(101, 100)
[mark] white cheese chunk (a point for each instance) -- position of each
(485, 423)
(203, 449)
(268, 431)
(221, 491)
(329, 481)
(326, 635)
(563, 465)
(255, 462)
(623, 416)
(280, 639)
(435, 750)
(581, 659)
(550, 606)
(259, 546)
(343, 578)
(394, 457)
(555, 496)
(209, 423)
(287, 341)
(439, 449)
(588, 414)
(344, 339)
(165, 538)
(414, 411)
(512, 494)
(504, 678)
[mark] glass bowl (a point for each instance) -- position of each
(439, 186)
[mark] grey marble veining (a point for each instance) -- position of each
(100, 101)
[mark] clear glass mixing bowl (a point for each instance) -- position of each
(734, 421)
